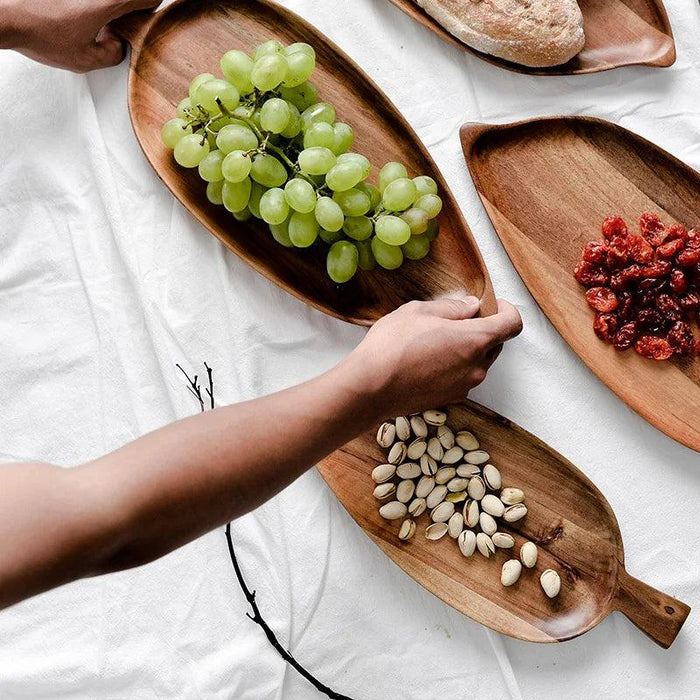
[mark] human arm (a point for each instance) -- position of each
(72, 34)
(173, 485)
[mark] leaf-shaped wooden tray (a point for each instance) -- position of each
(188, 37)
(618, 33)
(547, 185)
(568, 518)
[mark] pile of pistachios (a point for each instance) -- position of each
(431, 468)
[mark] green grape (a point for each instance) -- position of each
(392, 230)
(303, 229)
(190, 150)
(416, 219)
(214, 192)
(302, 47)
(236, 166)
(210, 167)
(358, 158)
(416, 247)
(268, 71)
(242, 215)
(343, 138)
(196, 82)
(329, 214)
(330, 237)
(319, 112)
(366, 259)
(300, 195)
(359, 228)
(236, 67)
(273, 206)
(275, 115)
(280, 232)
(218, 124)
(389, 173)
(271, 46)
(341, 261)
(399, 194)
(316, 161)
(390, 257)
(236, 195)
(432, 230)
(425, 185)
(344, 176)
(256, 193)
(302, 96)
(300, 66)
(183, 108)
(319, 134)
(353, 202)
(235, 137)
(268, 171)
(431, 204)
(173, 131)
(294, 125)
(208, 93)
(372, 192)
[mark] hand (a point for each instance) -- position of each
(428, 354)
(72, 34)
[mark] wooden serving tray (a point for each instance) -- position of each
(188, 37)
(569, 519)
(547, 184)
(618, 33)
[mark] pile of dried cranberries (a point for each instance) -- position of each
(644, 287)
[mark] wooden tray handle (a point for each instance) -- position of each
(134, 26)
(658, 615)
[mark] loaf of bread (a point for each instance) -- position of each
(535, 33)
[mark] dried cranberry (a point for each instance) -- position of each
(678, 231)
(653, 347)
(625, 337)
(639, 249)
(681, 339)
(590, 275)
(652, 228)
(651, 320)
(605, 326)
(614, 226)
(668, 306)
(617, 253)
(625, 306)
(657, 269)
(669, 249)
(689, 257)
(619, 281)
(595, 252)
(679, 281)
(601, 299)
(689, 301)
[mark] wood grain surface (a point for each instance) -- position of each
(569, 519)
(618, 33)
(172, 46)
(547, 185)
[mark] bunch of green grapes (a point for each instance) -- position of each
(268, 149)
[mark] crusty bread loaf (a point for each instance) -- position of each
(536, 33)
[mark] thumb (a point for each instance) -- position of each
(452, 308)
(107, 50)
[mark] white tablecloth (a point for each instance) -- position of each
(106, 282)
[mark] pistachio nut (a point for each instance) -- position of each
(467, 542)
(393, 510)
(457, 484)
(467, 441)
(502, 540)
(453, 455)
(403, 428)
(511, 496)
(476, 488)
(492, 477)
(417, 507)
(492, 505)
(384, 491)
(434, 417)
(485, 545)
(468, 470)
(510, 572)
(446, 437)
(397, 453)
(419, 427)
(436, 531)
(457, 497)
(455, 525)
(386, 435)
(405, 490)
(416, 449)
(445, 474)
(514, 513)
(408, 470)
(471, 513)
(477, 457)
(528, 554)
(487, 524)
(551, 583)
(407, 530)
(425, 485)
(442, 512)
(437, 495)
(383, 472)
(435, 449)
(428, 465)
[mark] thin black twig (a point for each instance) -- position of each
(196, 390)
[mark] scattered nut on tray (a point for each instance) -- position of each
(431, 468)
